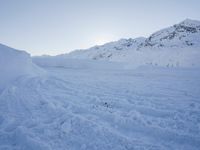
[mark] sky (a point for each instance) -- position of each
(59, 26)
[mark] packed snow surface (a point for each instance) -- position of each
(87, 108)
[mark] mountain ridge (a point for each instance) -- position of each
(175, 46)
(182, 35)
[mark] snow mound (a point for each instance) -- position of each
(14, 63)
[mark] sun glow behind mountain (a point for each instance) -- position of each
(104, 38)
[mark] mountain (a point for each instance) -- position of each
(107, 50)
(186, 33)
(183, 35)
(175, 46)
(90, 104)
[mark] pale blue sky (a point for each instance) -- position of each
(59, 26)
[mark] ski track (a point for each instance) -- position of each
(77, 109)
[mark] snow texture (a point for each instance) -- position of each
(124, 95)
(97, 109)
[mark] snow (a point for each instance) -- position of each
(184, 34)
(75, 63)
(124, 95)
(105, 51)
(190, 22)
(176, 46)
(166, 57)
(14, 63)
(86, 108)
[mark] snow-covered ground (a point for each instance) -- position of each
(133, 94)
(87, 108)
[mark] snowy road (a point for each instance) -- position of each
(102, 109)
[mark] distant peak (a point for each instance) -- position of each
(140, 38)
(190, 22)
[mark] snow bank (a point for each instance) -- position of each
(14, 63)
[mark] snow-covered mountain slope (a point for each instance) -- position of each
(176, 46)
(108, 50)
(184, 34)
(14, 63)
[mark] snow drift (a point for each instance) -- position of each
(14, 63)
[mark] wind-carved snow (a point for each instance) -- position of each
(14, 63)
